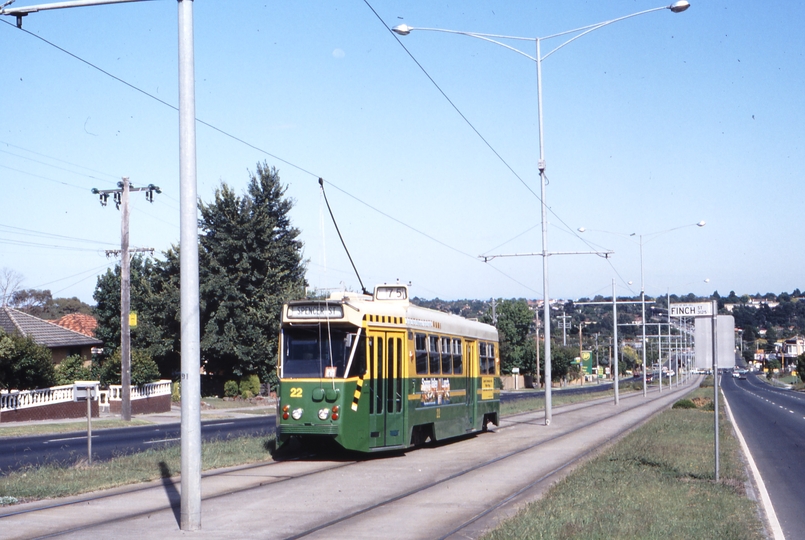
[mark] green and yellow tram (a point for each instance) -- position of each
(379, 373)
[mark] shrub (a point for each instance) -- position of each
(72, 369)
(684, 404)
(250, 385)
(24, 364)
(176, 392)
(230, 389)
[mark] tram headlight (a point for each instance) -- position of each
(323, 414)
(296, 414)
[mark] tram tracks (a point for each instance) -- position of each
(491, 507)
(270, 481)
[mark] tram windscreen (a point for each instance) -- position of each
(308, 350)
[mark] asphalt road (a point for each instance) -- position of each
(68, 448)
(772, 421)
(19, 452)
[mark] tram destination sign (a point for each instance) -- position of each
(315, 311)
(697, 309)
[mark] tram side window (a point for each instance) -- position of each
(447, 356)
(421, 345)
(433, 355)
(458, 362)
(491, 350)
(487, 358)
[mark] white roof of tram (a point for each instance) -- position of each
(394, 301)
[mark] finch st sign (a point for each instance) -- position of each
(698, 309)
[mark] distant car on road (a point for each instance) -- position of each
(739, 373)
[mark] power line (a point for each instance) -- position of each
(42, 234)
(56, 159)
(246, 143)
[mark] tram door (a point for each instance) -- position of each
(469, 369)
(385, 388)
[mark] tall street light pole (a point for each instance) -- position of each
(404, 30)
(189, 280)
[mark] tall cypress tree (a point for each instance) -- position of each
(250, 264)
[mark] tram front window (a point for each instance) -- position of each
(311, 349)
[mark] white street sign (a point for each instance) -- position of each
(698, 309)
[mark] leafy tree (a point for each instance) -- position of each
(801, 367)
(562, 362)
(155, 298)
(251, 263)
(31, 301)
(514, 323)
(40, 303)
(24, 365)
(771, 339)
(772, 365)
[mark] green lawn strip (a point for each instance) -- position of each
(657, 482)
(557, 399)
(67, 427)
(50, 481)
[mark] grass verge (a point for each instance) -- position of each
(657, 482)
(53, 481)
(66, 427)
(557, 400)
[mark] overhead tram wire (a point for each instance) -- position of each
(455, 107)
(254, 147)
(450, 101)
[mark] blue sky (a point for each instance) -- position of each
(651, 124)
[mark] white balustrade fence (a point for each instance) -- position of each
(158, 388)
(23, 399)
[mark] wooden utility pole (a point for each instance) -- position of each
(121, 198)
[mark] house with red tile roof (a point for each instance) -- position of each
(61, 341)
(78, 322)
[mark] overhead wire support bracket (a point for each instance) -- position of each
(604, 254)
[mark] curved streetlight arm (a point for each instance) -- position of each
(587, 29)
(655, 235)
(404, 30)
(677, 7)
